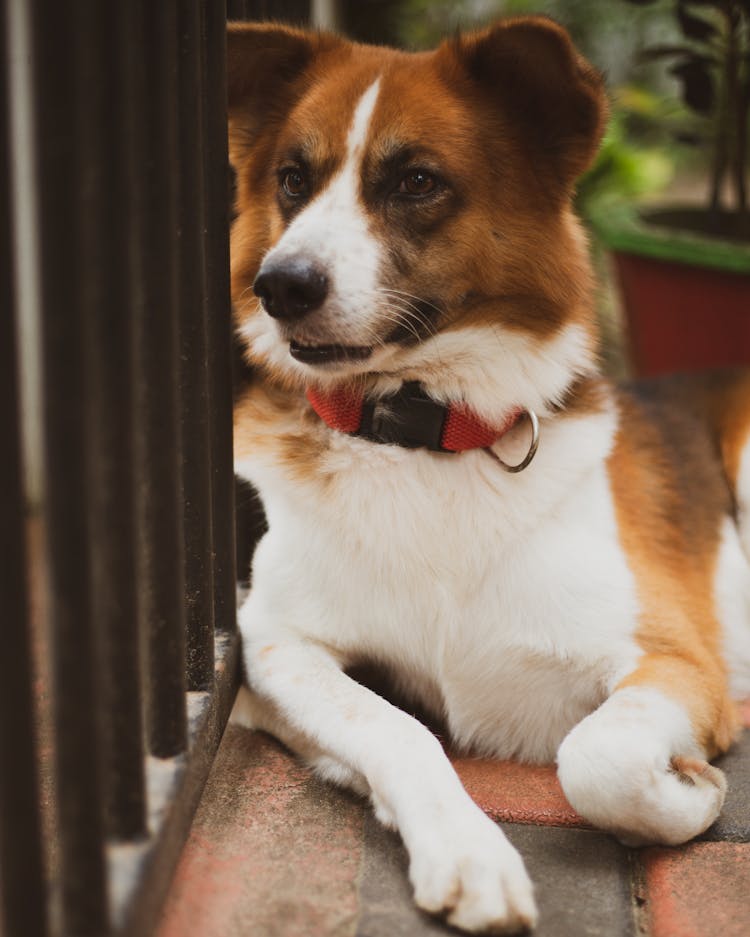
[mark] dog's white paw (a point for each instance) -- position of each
(682, 801)
(472, 873)
(629, 783)
(667, 804)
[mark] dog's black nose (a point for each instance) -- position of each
(291, 288)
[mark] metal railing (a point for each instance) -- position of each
(117, 557)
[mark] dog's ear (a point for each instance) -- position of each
(549, 92)
(265, 68)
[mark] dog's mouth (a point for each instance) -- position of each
(328, 354)
(414, 326)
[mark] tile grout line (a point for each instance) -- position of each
(359, 880)
(639, 893)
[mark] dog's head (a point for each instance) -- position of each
(388, 202)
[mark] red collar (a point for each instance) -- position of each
(409, 418)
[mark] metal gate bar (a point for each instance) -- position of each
(217, 187)
(192, 297)
(63, 166)
(106, 283)
(125, 194)
(22, 890)
(159, 434)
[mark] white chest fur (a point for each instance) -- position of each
(504, 601)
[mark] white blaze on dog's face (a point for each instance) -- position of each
(387, 200)
(320, 279)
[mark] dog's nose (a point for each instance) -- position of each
(291, 289)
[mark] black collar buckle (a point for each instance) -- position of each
(408, 418)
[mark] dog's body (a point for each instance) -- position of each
(594, 608)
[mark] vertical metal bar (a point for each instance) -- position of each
(107, 298)
(250, 523)
(286, 11)
(158, 439)
(219, 312)
(235, 9)
(60, 34)
(326, 14)
(292, 11)
(22, 889)
(251, 9)
(283, 11)
(196, 461)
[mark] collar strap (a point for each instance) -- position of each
(408, 418)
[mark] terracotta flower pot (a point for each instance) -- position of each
(686, 296)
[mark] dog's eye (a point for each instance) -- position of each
(293, 182)
(417, 182)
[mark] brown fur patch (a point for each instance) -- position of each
(719, 401)
(584, 397)
(267, 420)
(500, 247)
(670, 496)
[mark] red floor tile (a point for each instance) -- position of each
(745, 712)
(700, 890)
(515, 793)
(272, 851)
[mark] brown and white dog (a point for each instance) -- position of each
(410, 280)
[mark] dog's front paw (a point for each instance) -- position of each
(630, 785)
(470, 872)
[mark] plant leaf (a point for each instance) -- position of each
(662, 52)
(641, 3)
(689, 138)
(695, 27)
(697, 85)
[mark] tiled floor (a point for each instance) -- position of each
(276, 853)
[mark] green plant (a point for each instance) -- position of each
(625, 168)
(712, 66)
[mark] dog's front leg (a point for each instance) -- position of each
(460, 861)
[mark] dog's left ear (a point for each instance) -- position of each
(549, 92)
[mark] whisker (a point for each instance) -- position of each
(420, 300)
(246, 290)
(400, 317)
(251, 304)
(416, 307)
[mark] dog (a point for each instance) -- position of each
(554, 565)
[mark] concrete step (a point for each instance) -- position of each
(274, 852)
